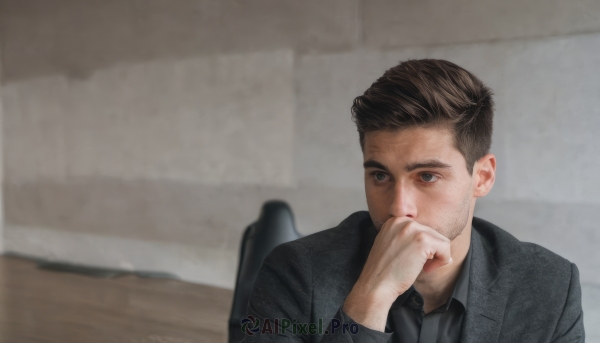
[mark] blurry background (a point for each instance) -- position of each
(147, 134)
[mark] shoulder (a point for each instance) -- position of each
(352, 234)
(292, 267)
(336, 254)
(526, 262)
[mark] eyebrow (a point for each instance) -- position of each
(433, 164)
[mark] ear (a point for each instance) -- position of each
(484, 175)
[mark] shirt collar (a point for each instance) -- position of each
(461, 288)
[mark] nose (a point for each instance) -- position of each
(403, 202)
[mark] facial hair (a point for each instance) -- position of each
(458, 223)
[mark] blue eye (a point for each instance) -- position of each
(379, 177)
(428, 177)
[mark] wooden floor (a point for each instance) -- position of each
(46, 306)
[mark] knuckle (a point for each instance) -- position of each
(421, 237)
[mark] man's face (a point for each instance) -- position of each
(417, 172)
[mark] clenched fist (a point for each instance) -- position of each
(402, 249)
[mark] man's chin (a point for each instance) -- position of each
(377, 224)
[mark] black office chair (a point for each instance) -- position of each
(274, 226)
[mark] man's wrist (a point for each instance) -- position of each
(361, 333)
(369, 309)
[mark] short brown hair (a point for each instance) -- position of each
(430, 93)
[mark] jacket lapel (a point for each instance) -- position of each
(485, 308)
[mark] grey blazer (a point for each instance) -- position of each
(518, 291)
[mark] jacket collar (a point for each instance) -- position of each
(485, 313)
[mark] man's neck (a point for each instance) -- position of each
(436, 287)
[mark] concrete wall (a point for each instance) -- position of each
(147, 134)
(1, 165)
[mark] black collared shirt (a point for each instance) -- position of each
(407, 322)
(443, 325)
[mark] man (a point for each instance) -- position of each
(418, 267)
